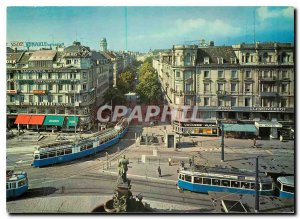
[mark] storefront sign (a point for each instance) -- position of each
(38, 91)
(199, 125)
(33, 44)
(11, 91)
(277, 109)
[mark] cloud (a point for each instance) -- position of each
(264, 13)
(197, 26)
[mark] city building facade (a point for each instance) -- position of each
(55, 89)
(244, 87)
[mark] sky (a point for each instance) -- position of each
(144, 28)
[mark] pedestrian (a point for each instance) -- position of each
(190, 162)
(254, 141)
(159, 171)
(170, 161)
(182, 164)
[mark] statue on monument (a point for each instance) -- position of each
(123, 168)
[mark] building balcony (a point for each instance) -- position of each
(268, 94)
(268, 79)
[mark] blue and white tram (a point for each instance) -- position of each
(203, 179)
(67, 151)
(286, 187)
(16, 183)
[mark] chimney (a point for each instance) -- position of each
(16, 49)
(211, 43)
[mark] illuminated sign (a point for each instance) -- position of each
(11, 91)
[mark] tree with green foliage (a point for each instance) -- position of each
(148, 87)
(115, 95)
(125, 82)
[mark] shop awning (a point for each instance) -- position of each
(22, 119)
(72, 121)
(54, 120)
(268, 124)
(36, 120)
(239, 128)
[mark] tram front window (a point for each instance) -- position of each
(288, 189)
(21, 183)
(266, 186)
(36, 156)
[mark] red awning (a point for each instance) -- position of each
(36, 120)
(22, 119)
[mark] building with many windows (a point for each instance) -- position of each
(55, 89)
(245, 87)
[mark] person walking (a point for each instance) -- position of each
(159, 171)
(254, 141)
(190, 162)
(170, 161)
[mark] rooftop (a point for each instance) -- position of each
(45, 55)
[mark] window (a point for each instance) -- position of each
(177, 74)
(215, 182)
(72, 87)
(233, 101)
(84, 98)
(188, 87)
(247, 57)
(220, 60)
(20, 75)
(233, 60)
(233, 74)
(225, 183)
(84, 87)
(248, 74)
(206, 101)
(247, 87)
(30, 76)
(74, 75)
(235, 184)
(49, 75)
(187, 178)
(75, 61)
(288, 189)
(220, 74)
(206, 60)
(284, 74)
(246, 115)
(198, 180)
(60, 99)
(245, 185)
(50, 99)
(59, 75)
(284, 88)
(40, 98)
(187, 59)
(40, 75)
(188, 75)
(60, 87)
(68, 61)
(220, 86)
(233, 87)
(266, 74)
(266, 186)
(247, 101)
(84, 74)
(206, 87)
(22, 98)
(206, 181)
(206, 74)
(283, 102)
(50, 87)
(220, 102)
(30, 98)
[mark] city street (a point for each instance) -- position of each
(94, 178)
